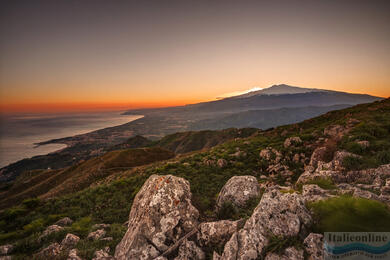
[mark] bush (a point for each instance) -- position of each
(35, 225)
(349, 214)
(277, 244)
(324, 183)
(82, 226)
(227, 211)
(31, 203)
(383, 157)
(353, 163)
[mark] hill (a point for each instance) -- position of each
(332, 169)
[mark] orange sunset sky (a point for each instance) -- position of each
(83, 55)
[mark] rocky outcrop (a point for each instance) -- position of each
(161, 214)
(238, 190)
(277, 214)
(64, 222)
(313, 245)
(216, 233)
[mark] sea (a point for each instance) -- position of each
(20, 132)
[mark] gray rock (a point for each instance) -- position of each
(314, 246)
(189, 250)
(96, 235)
(280, 214)
(292, 141)
(69, 241)
(161, 214)
(64, 222)
(73, 255)
(51, 229)
(317, 155)
(5, 257)
(49, 252)
(221, 163)
(6, 249)
(364, 144)
(312, 192)
(238, 190)
(216, 233)
(100, 226)
(103, 254)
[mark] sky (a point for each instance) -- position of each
(101, 54)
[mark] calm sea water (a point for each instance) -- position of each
(18, 133)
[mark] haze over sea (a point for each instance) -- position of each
(20, 132)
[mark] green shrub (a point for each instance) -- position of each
(35, 225)
(353, 163)
(227, 211)
(349, 214)
(324, 183)
(31, 203)
(383, 157)
(277, 244)
(82, 226)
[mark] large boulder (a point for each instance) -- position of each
(278, 214)
(161, 214)
(238, 190)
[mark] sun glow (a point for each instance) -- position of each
(237, 93)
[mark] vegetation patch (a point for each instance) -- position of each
(349, 214)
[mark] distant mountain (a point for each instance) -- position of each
(281, 89)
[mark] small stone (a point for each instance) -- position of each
(64, 222)
(292, 141)
(221, 163)
(51, 229)
(6, 249)
(96, 235)
(50, 252)
(69, 241)
(73, 255)
(100, 226)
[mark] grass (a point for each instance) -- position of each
(349, 214)
(277, 244)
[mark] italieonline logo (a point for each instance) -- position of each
(356, 245)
